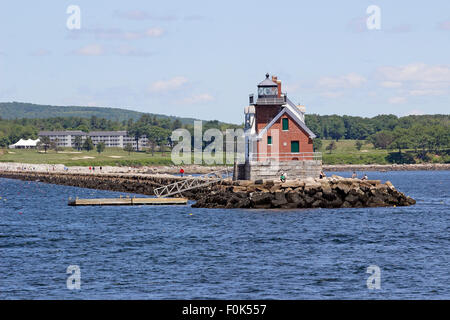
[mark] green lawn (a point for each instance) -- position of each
(71, 157)
(347, 153)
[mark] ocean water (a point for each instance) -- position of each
(177, 252)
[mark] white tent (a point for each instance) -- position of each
(24, 144)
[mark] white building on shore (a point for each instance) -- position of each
(111, 139)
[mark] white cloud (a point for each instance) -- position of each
(351, 80)
(419, 72)
(414, 112)
(425, 92)
(397, 100)
(199, 98)
(168, 85)
(419, 79)
(91, 50)
(391, 84)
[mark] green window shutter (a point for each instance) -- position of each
(295, 146)
(269, 139)
(285, 124)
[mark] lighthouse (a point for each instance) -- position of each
(277, 138)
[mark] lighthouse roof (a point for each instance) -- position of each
(291, 111)
(267, 82)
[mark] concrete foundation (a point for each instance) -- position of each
(253, 170)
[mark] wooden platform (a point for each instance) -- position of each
(127, 201)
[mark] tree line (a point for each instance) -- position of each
(419, 132)
(425, 133)
(158, 130)
(359, 128)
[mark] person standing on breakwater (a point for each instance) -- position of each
(322, 175)
(283, 177)
(182, 172)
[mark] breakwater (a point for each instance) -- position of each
(333, 192)
(133, 183)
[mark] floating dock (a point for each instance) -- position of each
(127, 201)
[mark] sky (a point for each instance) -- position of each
(202, 59)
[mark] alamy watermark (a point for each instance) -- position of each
(216, 147)
(74, 280)
(74, 20)
(373, 22)
(374, 280)
(218, 151)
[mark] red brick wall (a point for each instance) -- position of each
(295, 133)
(265, 114)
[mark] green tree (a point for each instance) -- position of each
(128, 148)
(382, 139)
(157, 137)
(335, 127)
(332, 146)
(78, 143)
(100, 147)
(402, 139)
(83, 127)
(317, 144)
(88, 145)
(358, 145)
(54, 145)
(4, 142)
(137, 131)
(44, 143)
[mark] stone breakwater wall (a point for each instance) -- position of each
(140, 184)
(335, 192)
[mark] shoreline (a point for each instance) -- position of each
(201, 169)
(387, 167)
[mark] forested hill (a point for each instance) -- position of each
(20, 110)
(358, 128)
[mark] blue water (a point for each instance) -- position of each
(146, 252)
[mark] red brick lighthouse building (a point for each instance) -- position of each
(277, 138)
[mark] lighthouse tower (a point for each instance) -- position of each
(277, 138)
